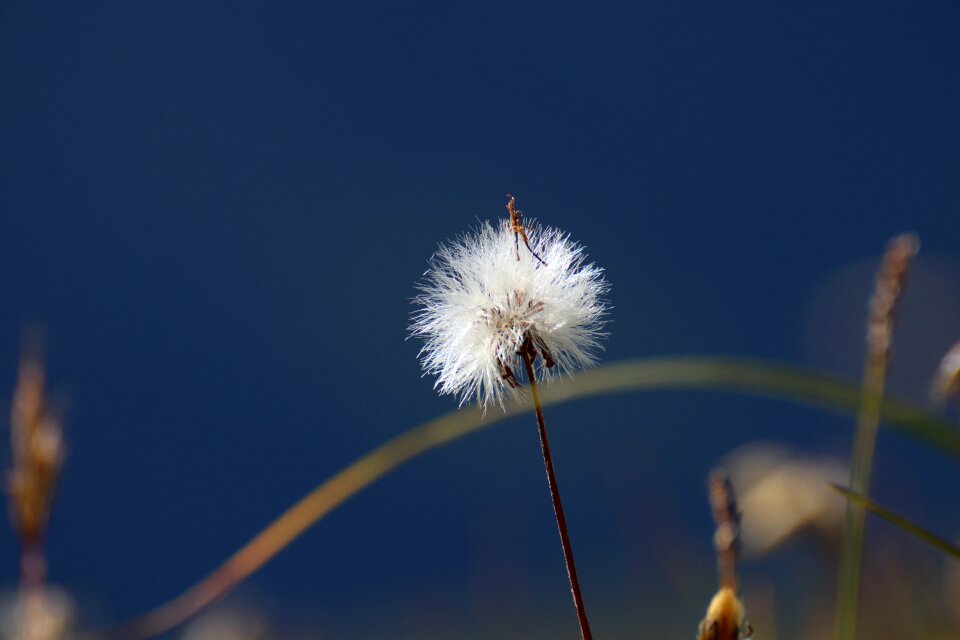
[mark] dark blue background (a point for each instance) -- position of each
(218, 213)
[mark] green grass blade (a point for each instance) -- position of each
(908, 527)
(752, 377)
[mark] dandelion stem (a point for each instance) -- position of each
(555, 497)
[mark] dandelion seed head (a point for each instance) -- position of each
(478, 304)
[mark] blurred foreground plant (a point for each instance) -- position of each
(753, 377)
(37, 445)
(890, 281)
(726, 617)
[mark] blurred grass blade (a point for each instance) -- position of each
(881, 316)
(753, 377)
(915, 530)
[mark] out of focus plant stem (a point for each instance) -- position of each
(751, 377)
(940, 544)
(38, 453)
(726, 616)
(883, 305)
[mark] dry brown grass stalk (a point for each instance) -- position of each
(38, 453)
(881, 316)
(726, 616)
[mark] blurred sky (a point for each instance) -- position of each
(218, 211)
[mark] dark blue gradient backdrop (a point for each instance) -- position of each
(218, 212)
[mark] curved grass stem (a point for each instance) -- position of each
(680, 373)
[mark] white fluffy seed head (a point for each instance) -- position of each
(478, 304)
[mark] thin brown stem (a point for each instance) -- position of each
(555, 497)
(726, 539)
(33, 572)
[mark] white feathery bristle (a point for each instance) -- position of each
(478, 303)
